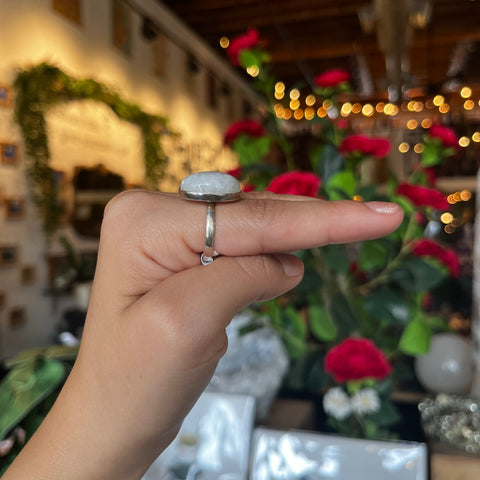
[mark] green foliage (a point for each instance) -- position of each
(44, 86)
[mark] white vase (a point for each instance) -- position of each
(448, 366)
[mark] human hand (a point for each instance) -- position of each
(155, 329)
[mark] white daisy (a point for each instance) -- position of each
(366, 401)
(337, 403)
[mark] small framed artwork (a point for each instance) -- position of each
(122, 26)
(5, 96)
(28, 274)
(8, 255)
(3, 299)
(17, 317)
(9, 154)
(15, 208)
(70, 9)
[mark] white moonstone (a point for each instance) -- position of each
(215, 183)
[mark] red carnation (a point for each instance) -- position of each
(428, 248)
(295, 183)
(446, 135)
(423, 196)
(332, 78)
(243, 42)
(249, 127)
(356, 359)
(359, 143)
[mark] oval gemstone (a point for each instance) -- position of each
(210, 186)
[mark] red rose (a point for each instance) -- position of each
(446, 135)
(248, 187)
(249, 127)
(423, 196)
(356, 359)
(428, 248)
(243, 42)
(332, 78)
(375, 146)
(235, 172)
(295, 183)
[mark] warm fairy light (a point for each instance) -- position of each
(287, 114)
(390, 109)
(465, 195)
(278, 108)
(411, 106)
(412, 124)
(438, 100)
(224, 42)
(294, 104)
(309, 113)
(368, 110)
(356, 108)
(451, 199)
(310, 100)
(298, 114)
(466, 92)
(468, 104)
(457, 197)
(446, 218)
(321, 112)
(294, 94)
(404, 147)
(346, 109)
(253, 71)
(379, 107)
(426, 123)
(279, 87)
(476, 137)
(449, 229)
(327, 104)
(429, 104)
(418, 107)
(279, 95)
(357, 198)
(444, 108)
(418, 148)
(464, 142)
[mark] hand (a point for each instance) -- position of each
(155, 329)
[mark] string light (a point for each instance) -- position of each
(444, 108)
(224, 42)
(426, 123)
(294, 104)
(356, 108)
(294, 94)
(476, 137)
(310, 100)
(468, 104)
(464, 142)
(368, 110)
(309, 113)
(321, 112)
(446, 218)
(327, 104)
(438, 100)
(346, 109)
(412, 124)
(418, 148)
(379, 107)
(466, 92)
(253, 71)
(404, 147)
(298, 114)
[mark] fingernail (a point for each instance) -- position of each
(292, 265)
(385, 208)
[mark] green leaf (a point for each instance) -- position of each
(335, 256)
(387, 415)
(321, 324)
(388, 305)
(343, 316)
(432, 152)
(415, 339)
(341, 185)
(251, 150)
(25, 387)
(328, 161)
(373, 255)
(417, 275)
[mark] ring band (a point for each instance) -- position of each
(210, 187)
(207, 256)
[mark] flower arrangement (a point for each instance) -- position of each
(356, 321)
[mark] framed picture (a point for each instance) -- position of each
(15, 208)
(17, 317)
(5, 96)
(214, 440)
(3, 299)
(28, 274)
(9, 154)
(8, 255)
(122, 26)
(70, 9)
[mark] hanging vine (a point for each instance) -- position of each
(43, 86)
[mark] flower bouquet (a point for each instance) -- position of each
(365, 297)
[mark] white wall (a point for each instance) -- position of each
(31, 33)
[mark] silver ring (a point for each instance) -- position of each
(210, 187)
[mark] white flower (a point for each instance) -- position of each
(366, 401)
(337, 403)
